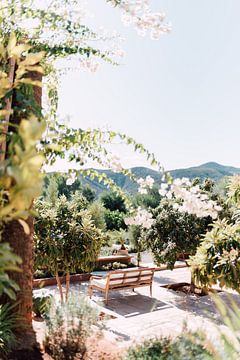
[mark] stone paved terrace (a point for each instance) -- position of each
(138, 316)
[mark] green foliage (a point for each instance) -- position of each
(41, 305)
(114, 220)
(217, 258)
(51, 192)
(22, 161)
(97, 212)
(88, 193)
(17, 190)
(117, 237)
(188, 346)
(113, 202)
(68, 327)
(137, 243)
(66, 238)
(149, 200)
(230, 340)
(106, 251)
(234, 190)
(8, 262)
(174, 232)
(8, 323)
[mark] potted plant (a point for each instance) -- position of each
(122, 239)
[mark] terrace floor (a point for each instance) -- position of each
(138, 316)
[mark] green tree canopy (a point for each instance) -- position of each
(113, 202)
(174, 233)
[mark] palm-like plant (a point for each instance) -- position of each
(7, 325)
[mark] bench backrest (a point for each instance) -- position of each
(130, 277)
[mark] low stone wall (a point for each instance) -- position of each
(38, 283)
(104, 260)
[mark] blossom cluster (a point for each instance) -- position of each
(142, 218)
(139, 14)
(144, 184)
(71, 179)
(193, 199)
(89, 64)
(113, 162)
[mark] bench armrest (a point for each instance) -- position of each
(97, 277)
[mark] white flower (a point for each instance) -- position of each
(139, 14)
(162, 192)
(169, 195)
(144, 183)
(71, 180)
(89, 64)
(142, 218)
(142, 190)
(164, 186)
(177, 182)
(194, 200)
(149, 181)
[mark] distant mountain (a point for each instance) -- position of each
(124, 182)
(211, 170)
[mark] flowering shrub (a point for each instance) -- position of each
(142, 218)
(190, 198)
(218, 258)
(173, 232)
(145, 184)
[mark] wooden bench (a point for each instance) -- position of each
(122, 279)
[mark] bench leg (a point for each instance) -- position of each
(151, 290)
(90, 292)
(106, 297)
(133, 290)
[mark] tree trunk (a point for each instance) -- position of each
(59, 286)
(22, 245)
(67, 285)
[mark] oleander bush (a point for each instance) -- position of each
(217, 260)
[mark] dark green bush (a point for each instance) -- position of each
(114, 219)
(174, 232)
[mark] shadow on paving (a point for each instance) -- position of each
(165, 280)
(136, 304)
(203, 306)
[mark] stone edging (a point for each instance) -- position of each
(52, 281)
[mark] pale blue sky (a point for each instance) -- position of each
(179, 96)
